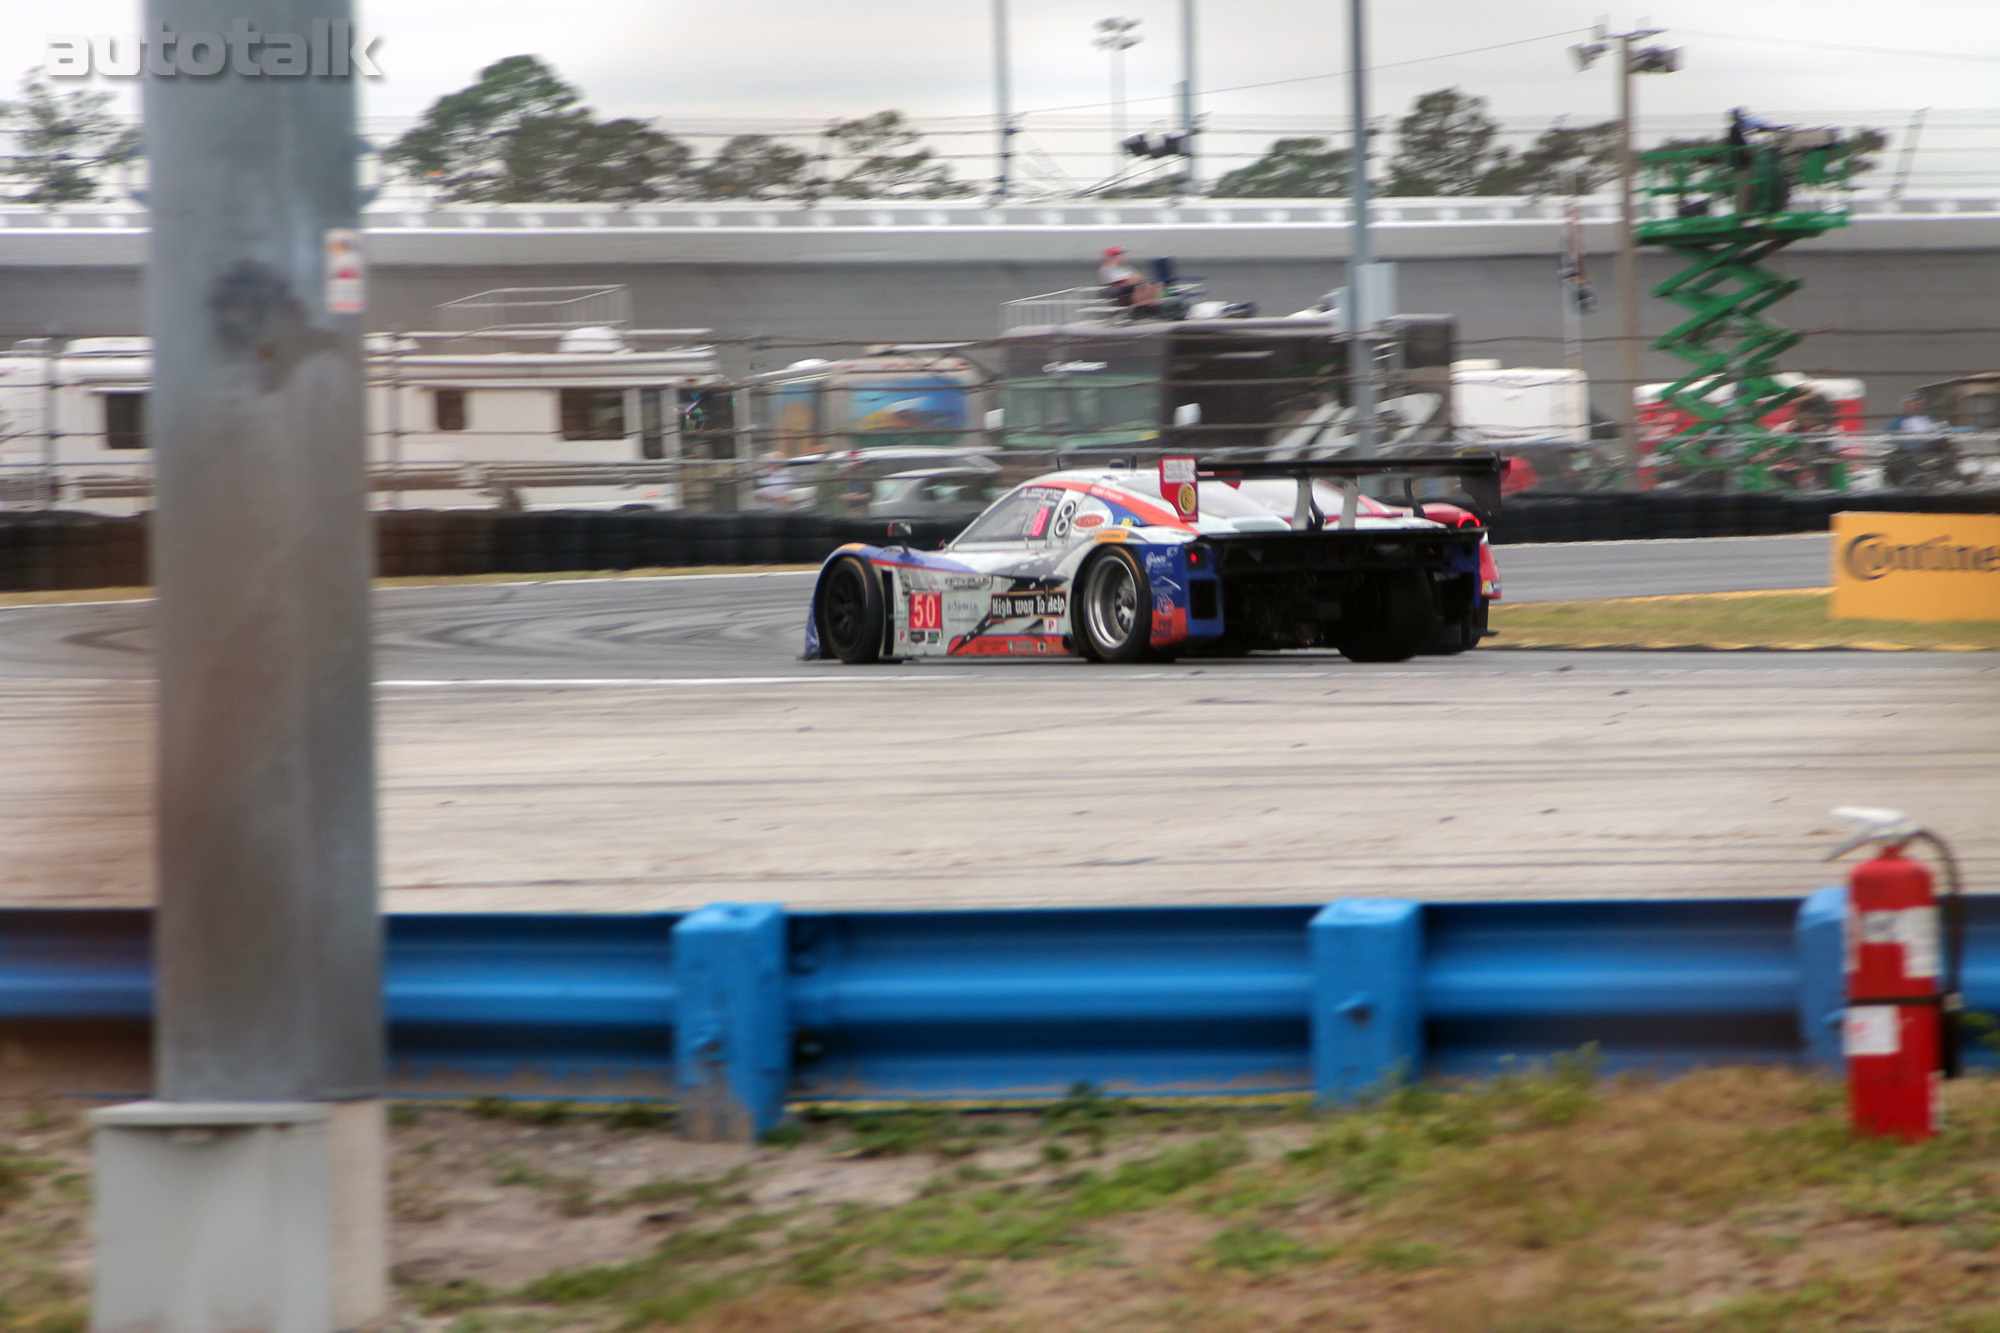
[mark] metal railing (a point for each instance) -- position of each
(1072, 305)
(552, 308)
(739, 1009)
(965, 215)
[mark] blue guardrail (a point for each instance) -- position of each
(737, 1009)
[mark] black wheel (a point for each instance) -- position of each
(1112, 615)
(1403, 622)
(849, 611)
(1450, 637)
(1458, 634)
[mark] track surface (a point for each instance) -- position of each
(753, 625)
(657, 744)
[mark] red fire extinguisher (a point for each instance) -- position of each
(1903, 955)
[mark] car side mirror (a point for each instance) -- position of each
(901, 530)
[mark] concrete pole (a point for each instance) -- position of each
(267, 938)
(1003, 115)
(1360, 319)
(1628, 270)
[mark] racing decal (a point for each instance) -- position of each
(1088, 521)
(1169, 592)
(926, 612)
(1065, 513)
(1130, 509)
(1178, 485)
(1011, 645)
(1112, 535)
(1041, 523)
(1026, 605)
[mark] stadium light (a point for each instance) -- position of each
(1115, 36)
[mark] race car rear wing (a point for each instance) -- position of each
(1478, 475)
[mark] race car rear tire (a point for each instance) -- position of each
(1458, 634)
(1112, 616)
(1403, 624)
(848, 611)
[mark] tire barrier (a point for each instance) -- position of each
(1643, 515)
(42, 551)
(737, 1009)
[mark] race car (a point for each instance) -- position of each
(1130, 564)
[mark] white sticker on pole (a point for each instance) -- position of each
(346, 272)
(1915, 929)
(1872, 1029)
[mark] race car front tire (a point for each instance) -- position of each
(848, 609)
(1404, 621)
(1112, 617)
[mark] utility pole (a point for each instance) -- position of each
(1115, 36)
(1190, 178)
(52, 432)
(1909, 153)
(1003, 115)
(251, 1193)
(1361, 319)
(1645, 60)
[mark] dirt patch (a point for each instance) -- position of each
(1731, 1201)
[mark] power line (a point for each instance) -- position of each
(1841, 46)
(1309, 78)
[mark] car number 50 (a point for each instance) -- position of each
(926, 610)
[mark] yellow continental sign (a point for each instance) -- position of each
(1916, 567)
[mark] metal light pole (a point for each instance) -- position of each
(1360, 318)
(251, 1194)
(1003, 115)
(1115, 36)
(1190, 177)
(1645, 60)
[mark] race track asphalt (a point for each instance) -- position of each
(753, 624)
(655, 744)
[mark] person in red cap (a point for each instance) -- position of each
(1124, 285)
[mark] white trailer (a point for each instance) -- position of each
(582, 417)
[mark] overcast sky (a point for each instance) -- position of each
(688, 62)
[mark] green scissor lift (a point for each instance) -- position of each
(1734, 207)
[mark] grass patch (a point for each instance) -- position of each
(1722, 620)
(1544, 1200)
(1549, 1199)
(1258, 1248)
(44, 1195)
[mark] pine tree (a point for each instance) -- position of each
(65, 142)
(1444, 147)
(891, 162)
(517, 134)
(1290, 169)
